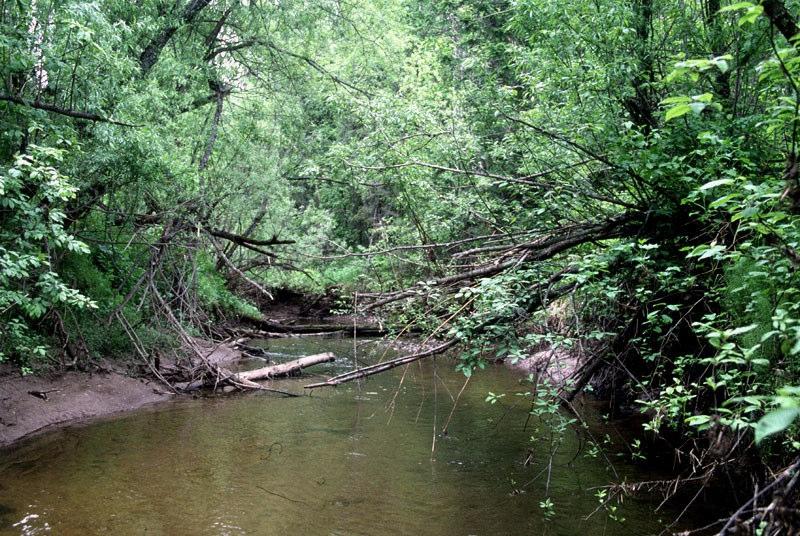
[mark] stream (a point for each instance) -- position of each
(344, 461)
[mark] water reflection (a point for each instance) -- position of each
(353, 460)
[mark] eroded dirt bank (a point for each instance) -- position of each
(34, 403)
(31, 404)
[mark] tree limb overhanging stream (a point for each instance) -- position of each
(610, 189)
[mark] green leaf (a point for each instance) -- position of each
(677, 111)
(698, 107)
(751, 15)
(740, 330)
(722, 65)
(722, 200)
(698, 420)
(682, 99)
(736, 7)
(775, 421)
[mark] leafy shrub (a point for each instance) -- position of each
(214, 294)
(33, 195)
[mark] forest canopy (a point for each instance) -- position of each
(614, 177)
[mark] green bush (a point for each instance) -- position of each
(214, 294)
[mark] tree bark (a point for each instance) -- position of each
(151, 53)
(77, 114)
(212, 135)
(244, 241)
(779, 16)
(641, 105)
(283, 369)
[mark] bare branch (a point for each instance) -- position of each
(77, 114)
(382, 367)
(244, 241)
(542, 248)
(233, 47)
(212, 136)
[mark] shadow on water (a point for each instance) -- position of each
(7, 514)
(352, 460)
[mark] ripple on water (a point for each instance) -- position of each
(352, 460)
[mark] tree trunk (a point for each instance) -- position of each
(715, 30)
(780, 17)
(640, 106)
(283, 369)
(152, 51)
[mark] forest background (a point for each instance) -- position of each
(618, 178)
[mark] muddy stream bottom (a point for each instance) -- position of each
(352, 460)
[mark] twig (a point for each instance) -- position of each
(76, 114)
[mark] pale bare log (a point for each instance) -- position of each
(283, 369)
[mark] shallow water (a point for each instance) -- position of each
(342, 462)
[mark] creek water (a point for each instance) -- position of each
(344, 461)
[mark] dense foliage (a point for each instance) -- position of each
(618, 178)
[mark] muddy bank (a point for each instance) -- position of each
(31, 404)
(554, 365)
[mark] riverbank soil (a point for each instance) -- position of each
(555, 365)
(32, 403)
(29, 404)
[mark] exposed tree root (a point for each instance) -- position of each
(780, 513)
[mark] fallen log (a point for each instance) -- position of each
(380, 367)
(308, 329)
(323, 334)
(377, 368)
(246, 379)
(282, 369)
